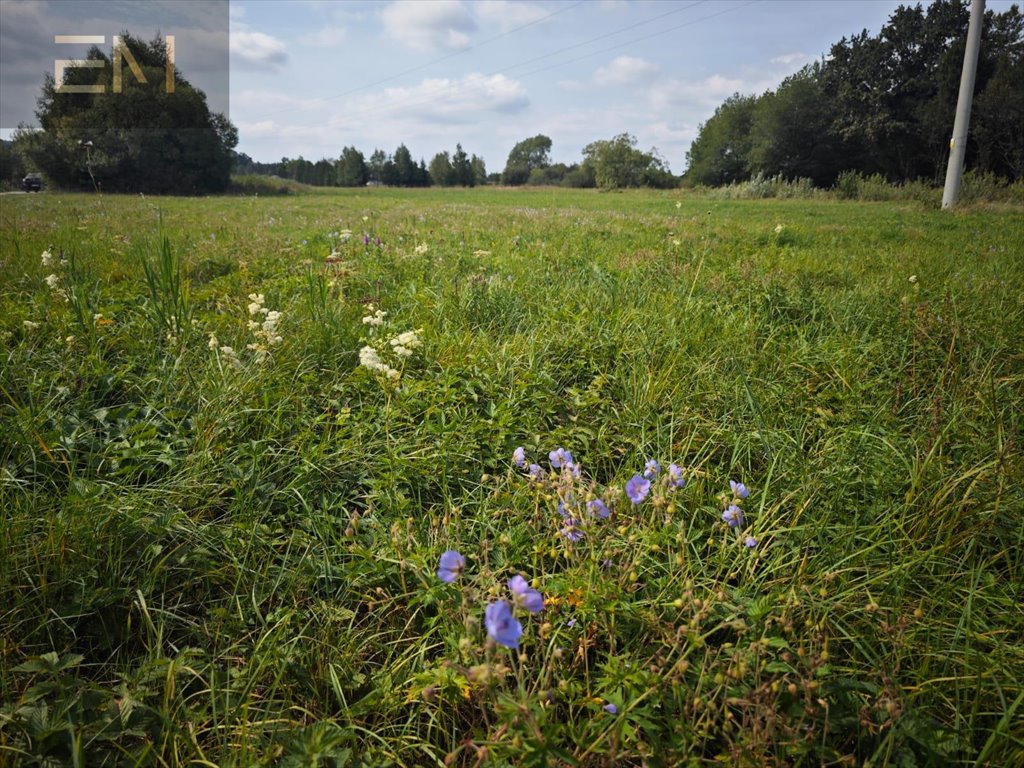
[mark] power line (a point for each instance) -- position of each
(382, 109)
(420, 67)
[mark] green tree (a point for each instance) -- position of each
(441, 170)
(351, 170)
(142, 139)
(790, 133)
(525, 156)
(376, 165)
(479, 169)
(618, 164)
(720, 153)
(462, 168)
(405, 167)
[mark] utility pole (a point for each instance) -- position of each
(958, 143)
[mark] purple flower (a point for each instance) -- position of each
(637, 489)
(598, 507)
(611, 709)
(570, 530)
(524, 596)
(733, 516)
(750, 542)
(366, 239)
(451, 566)
(501, 625)
(739, 490)
(519, 457)
(560, 456)
(675, 476)
(651, 468)
(536, 472)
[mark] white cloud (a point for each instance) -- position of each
(508, 15)
(257, 50)
(791, 58)
(449, 101)
(699, 94)
(325, 37)
(625, 70)
(429, 26)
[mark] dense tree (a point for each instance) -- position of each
(789, 132)
(525, 156)
(720, 153)
(479, 169)
(375, 167)
(878, 104)
(141, 139)
(351, 169)
(462, 168)
(618, 164)
(441, 170)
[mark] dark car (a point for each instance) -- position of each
(32, 183)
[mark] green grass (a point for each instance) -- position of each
(210, 558)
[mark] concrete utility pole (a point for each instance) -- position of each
(958, 143)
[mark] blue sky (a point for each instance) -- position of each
(308, 77)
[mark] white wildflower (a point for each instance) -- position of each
(421, 249)
(47, 258)
(213, 344)
(53, 281)
(481, 253)
(778, 228)
(30, 325)
(913, 278)
(376, 319)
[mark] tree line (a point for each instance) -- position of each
(880, 104)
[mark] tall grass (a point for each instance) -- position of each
(231, 559)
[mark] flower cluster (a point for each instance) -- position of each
(226, 353)
(499, 617)
(378, 354)
(263, 323)
(733, 515)
(653, 479)
(577, 499)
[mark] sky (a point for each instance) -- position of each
(309, 77)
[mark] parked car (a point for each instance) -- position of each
(32, 183)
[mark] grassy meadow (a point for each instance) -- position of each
(223, 517)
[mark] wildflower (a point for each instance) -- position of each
(637, 489)
(451, 566)
(519, 457)
(479, 254)
(366, 238)
(53, 281)
(739, 490)
(750, 542)
(611, 709)
(560, 456)
(571, 529)
(778, 229)
(345, 235)
(30, 325)
(421, 249)
(501, 625)
(651, 468)
(213, 344)
(377, 318)
(913, 279)
(679, 204)
(47, 258)
(536, 472)
(256, 305)
(675, 476)
(524, 596)
(733, 516)
(598, 508)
